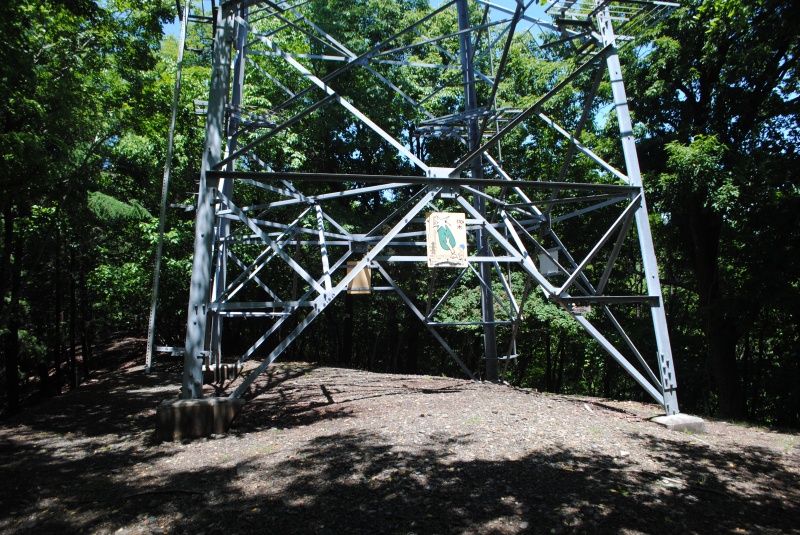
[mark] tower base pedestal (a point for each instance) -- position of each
(681, 422)
(181, 419)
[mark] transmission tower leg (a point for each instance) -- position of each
(667, 373)
(225, 185)
(204, 227)
(476, 169)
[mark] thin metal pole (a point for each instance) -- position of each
(151, 329)
(476, 168)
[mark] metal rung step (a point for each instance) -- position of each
(249, 314)
(200, 107)
(652, 300)
(504, 357)
(455, 323)
(173, 351)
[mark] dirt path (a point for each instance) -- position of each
(325, 450)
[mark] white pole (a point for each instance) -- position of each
(151, 329)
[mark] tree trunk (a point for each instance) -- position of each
(8, 241)
(57, 345)
(722, 338)
(560, 356)
(607, 371)
(86, 339)
(11, 351)
(721, 334)
(412, 347)
(548, 360)
(73, 365)
(346, 353)
(11, 338)
(759, 372)
(397, 342)
(523, 361)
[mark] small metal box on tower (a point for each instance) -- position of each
(362, 283)
(548, 265)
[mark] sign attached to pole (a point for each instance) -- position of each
(447, 239)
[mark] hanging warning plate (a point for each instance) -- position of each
(447, 239)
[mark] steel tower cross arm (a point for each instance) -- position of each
(425, 321)
(322, 85)
(363, 58)
(465, 162)
(322, 301)
(658, 394)
(501, 67)
(232, 5)
(242, 216)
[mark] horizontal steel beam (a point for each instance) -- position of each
(424, 259)
(652, 300)
(400, 180)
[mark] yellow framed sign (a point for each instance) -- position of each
(446, 234)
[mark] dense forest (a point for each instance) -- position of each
(715, 95)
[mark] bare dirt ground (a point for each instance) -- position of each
(325, 450)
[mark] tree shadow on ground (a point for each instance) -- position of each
(358, 483)
(75, 466)
(94, 407)
(321, 397)
(72, 449)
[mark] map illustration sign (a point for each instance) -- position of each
(446, 234)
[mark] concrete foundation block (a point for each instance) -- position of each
(681, 422)
(179, 419)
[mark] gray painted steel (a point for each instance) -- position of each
(509, 230)
(203, 261)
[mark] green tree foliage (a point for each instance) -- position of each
(717, 103)
(76, 76)
(88, 87)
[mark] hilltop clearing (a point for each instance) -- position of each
(328, 450)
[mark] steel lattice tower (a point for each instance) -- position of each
(239, 248)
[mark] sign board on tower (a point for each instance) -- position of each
(447, 239)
